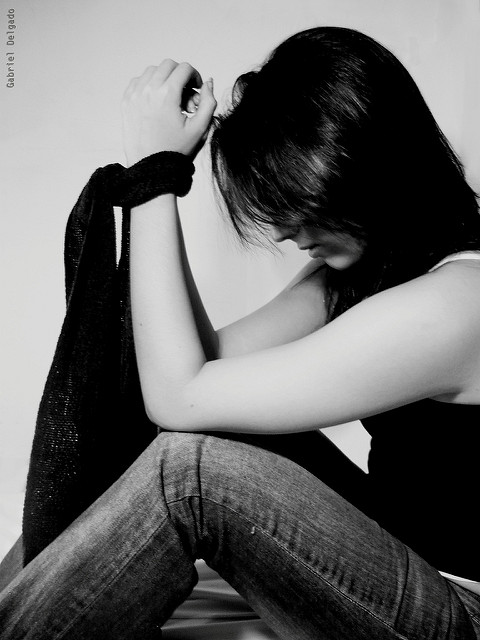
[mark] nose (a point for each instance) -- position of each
(279, 234)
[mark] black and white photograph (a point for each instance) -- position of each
(240, 339)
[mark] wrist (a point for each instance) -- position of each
(133, 157)
(165, 172)
(162, 204)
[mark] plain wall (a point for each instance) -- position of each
(61, 120)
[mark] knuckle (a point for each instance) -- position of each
(190, 71)
(167, 63)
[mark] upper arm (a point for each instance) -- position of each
(295, 312)
(399, 346)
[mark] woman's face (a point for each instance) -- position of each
(338, 250)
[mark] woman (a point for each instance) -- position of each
(382, 325)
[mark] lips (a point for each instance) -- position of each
(314, 251)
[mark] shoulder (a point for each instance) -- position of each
(456, 286)
(446, 299)
(433, 317)
(438, 313)
(452, 289)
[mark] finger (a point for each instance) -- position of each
(206, 106)
(163, 71)
(145, 78)
(183, 78)
(134, 84)
(191, 107)
(196, 97)
(190, 99)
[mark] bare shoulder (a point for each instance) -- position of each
(447, 298)
(437, 312)
(457, 285)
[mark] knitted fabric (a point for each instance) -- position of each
(91, 423)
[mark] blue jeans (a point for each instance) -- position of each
(307, 560)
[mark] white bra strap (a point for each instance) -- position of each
(461, 255)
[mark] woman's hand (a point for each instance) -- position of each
(168, 108)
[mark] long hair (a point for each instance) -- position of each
(332, 132)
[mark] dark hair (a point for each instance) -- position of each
(332, 132)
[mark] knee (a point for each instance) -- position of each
(184, 473)
(204, 478)
(179, 458)
(199, 465)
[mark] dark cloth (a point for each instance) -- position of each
(423, 475)
(91, 422)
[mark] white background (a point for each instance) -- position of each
(61, 120)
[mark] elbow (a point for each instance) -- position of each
(154, 416)
(176, 406)
(171, 416)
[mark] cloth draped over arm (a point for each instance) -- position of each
(91, 423)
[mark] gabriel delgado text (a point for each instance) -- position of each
(10, 54)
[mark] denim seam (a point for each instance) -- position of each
(105, 586)
(297, 559)
(407, 569)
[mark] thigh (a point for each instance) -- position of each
(310, 563)
(316, 453)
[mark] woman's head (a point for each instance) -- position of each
(332, 133)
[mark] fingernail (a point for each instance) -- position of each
(210, 84)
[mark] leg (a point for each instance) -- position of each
(100, 579)
(313, 451)
(11, 564)
(309, 562)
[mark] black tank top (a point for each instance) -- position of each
(424, 472)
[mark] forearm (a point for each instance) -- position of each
(173, 337)
(207, 334)
(171, 343)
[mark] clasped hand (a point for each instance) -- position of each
(168, 108)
